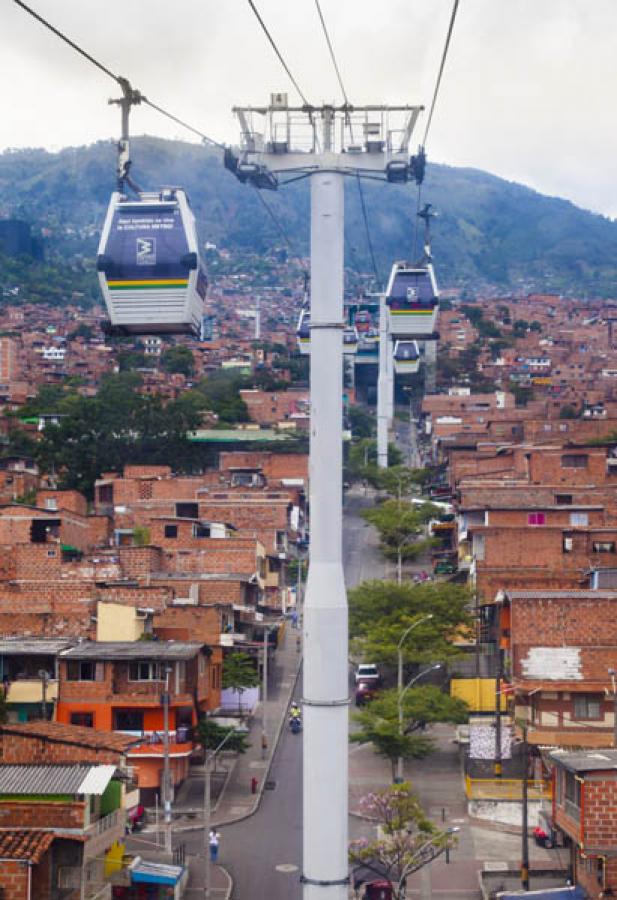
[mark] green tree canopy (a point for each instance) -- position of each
(378, 721)
(400, 527)
(178, 359)
(381, 611)
(239, 673)
(210, 736)
(221, 392)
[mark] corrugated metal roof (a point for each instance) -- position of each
(562, 595)
(55, 779)
(154, 650)
(586, 760)
(33, 646)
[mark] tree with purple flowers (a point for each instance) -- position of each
(406, 839)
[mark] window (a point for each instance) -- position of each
(81, 670)
(563, 499)
(603, 546)
(187, 510)
(588, 706)
(128, 720)
(201, 531)
(106, 493)
(51, 503)
(85, 719)
(574, 461)
(171, 531)
(579, 519)
(536, 519)
(145, 671)
(567, 544)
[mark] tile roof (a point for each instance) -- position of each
(26, 845)
(33, 646)
(45, 779)
(72, 734)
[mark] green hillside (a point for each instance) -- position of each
(491, 234)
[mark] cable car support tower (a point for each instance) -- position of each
(279, 144)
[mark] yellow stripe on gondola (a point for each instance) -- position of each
(158, 282)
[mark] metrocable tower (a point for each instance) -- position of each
(278, 144)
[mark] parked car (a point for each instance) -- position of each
(444, 568)
(365, 692)
(368, 672)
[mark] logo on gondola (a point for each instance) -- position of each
(145, 251)
(411, 293)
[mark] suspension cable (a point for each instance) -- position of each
(278, 225)
(441, 68)
(117, 78)
(332, 56)
(368, 231)
(277, 51)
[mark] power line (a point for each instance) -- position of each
(278, 52)
(368, 231)
(117, 78)
(441, 68)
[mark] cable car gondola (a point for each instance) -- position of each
(350, 341)
(406, 357)
(148, 262)
(412, 298)
(303, 332)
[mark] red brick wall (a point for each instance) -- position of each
(14, 879)
(29, 749)
(27, 814)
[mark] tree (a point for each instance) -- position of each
(399, 480)
(362, 460)
(178, 359)
(210, 736)
(567, 412)
(221, 392)
(378, 721)
(399, 525)
(239, 673)
(361, 422)
(380, 612)
(407, 840)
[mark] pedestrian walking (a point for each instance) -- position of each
(214, 845)
(294, 619)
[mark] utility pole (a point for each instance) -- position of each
(264, 690)
(525, 823)
(498, 684)
(612, 673)
(399, 686)
(207, 810)
(166, 777)
(382, 386)
(43, 676)
(309, 141)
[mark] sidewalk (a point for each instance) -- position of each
(232, 797)
(438, 783)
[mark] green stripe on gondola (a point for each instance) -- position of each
(147, 286)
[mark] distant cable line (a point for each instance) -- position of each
(368, 231)
(278, 52)
(441, 68)
(117, 78)
(278, 225)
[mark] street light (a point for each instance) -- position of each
(399, 764)
(399, 684)
(209, 756)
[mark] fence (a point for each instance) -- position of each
(506, 789)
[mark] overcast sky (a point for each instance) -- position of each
(528, 92)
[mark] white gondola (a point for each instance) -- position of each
(148, 264)
(406, 357)
(412, 298)
(350, 341)
(303, 333)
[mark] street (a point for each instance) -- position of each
(266, 849)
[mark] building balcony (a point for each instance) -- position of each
(181, 743)
(103, 833)
(30, 690)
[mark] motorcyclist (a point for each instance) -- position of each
(294, 711)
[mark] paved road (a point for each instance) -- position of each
(251, 850)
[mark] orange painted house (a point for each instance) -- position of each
(120, 686)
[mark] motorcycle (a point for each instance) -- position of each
(295, 725)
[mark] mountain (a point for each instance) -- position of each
(491, 234)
